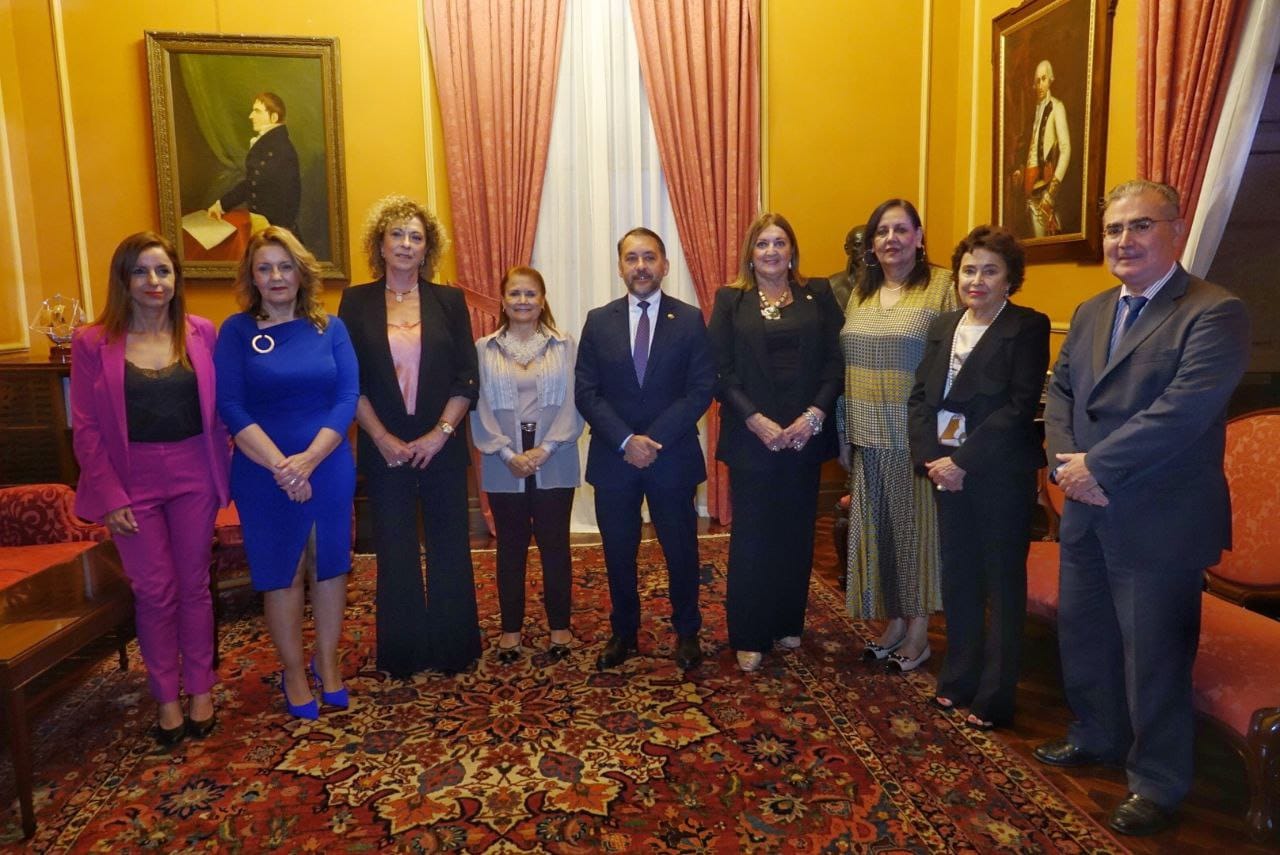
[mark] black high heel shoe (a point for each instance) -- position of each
(201, 729)
(168, 737)
(510, 655)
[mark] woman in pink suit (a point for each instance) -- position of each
(153, 467)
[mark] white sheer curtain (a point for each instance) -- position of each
(1255, 61)
(603, 178)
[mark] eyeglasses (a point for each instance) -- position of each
(1138, 227)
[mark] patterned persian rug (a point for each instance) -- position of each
(815, 753)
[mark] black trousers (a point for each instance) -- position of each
(437, 627)
(770, 551)
(676, 521)
(544, 515)
(985, 532)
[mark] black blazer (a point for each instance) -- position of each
(447, 366)
(272, 184)
(997, 390)
(677, 391)
(744, 379)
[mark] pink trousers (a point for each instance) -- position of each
(167, 563)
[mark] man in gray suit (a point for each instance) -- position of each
(1135, 422)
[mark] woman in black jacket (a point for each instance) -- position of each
(972, 413)
(418, 379)
(774, 335)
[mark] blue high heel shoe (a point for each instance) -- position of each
(339, 699)
(309, 711)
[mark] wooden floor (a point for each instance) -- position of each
(1212, 818)
(1210, 821)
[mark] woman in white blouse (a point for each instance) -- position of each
(526, 428)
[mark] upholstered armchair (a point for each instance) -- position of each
(39, 528)
(1250, 573)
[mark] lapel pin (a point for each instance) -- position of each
(671, 316)
(808, 296)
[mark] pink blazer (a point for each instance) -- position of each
(100, 433)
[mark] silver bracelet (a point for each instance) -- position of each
(815, 423)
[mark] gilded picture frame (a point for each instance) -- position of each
(248, 132)
(1051, 63)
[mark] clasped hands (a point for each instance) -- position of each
(775, 437)
(293, 475)
(641, 451)
(417, 453)
(525, 464)
(945, 475)
(1077, 482)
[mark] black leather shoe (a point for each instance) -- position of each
(558, 652)
(616, 651)
(1140, 816)
(509, 655)
(204, 727)
(1061, 752)
(167, 737)
(688, 652)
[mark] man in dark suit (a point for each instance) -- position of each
(272, 184)
(1136, 429)
(643, 379)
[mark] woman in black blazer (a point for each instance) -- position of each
(775, 339)
(418, 379)
(973, 432)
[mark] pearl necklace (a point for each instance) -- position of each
(952, 368)
(972, 319)
(400, 295)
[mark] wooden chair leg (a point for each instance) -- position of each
(1262, 760)
(15, 712)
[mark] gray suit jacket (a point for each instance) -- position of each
(1151, 419)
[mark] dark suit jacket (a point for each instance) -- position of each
(677, 390)
(447, 366)
(744, 377)
(272, 184)
(100, 424)
(997, 391)
(1152, 419)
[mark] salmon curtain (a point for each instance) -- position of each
(495, 63)
(1185, 52)
(700, 60)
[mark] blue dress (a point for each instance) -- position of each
(307, 380)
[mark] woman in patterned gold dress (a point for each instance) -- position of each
(893, 560)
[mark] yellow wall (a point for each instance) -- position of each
(842, 125)
(383, 63)
(847, 106)
(842, 129)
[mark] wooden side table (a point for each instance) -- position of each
(44, 620)
(35, 422)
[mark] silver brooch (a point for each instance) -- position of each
(262, 343)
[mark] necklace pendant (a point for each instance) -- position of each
(399, 296)
(770, 312)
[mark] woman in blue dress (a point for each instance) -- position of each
(287, 388)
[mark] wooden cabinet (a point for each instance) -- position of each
(35, 422)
